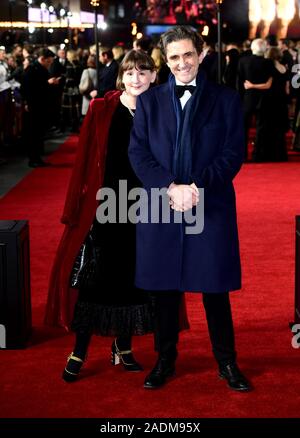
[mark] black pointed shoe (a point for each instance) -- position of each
(235, 379)
(163, 369)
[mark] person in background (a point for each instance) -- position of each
(258, 70)
(5, 102)
(89, 76)
(119, 53)
(271, 144)
(108, 73)
(35, 91)
(58, 69)
(162, 69)
(71, 98)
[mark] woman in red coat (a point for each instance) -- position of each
(115, 307)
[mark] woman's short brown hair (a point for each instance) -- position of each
(134, 59)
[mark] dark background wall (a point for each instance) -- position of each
(14, 9)
(235, 14)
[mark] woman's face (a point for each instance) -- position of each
(26, 63)
(137, 81)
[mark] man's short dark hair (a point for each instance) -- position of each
(178, 33)
(107, 51)
(45, 53)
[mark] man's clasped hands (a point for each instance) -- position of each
(183, 196)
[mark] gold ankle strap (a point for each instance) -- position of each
(119, 352)
(123, 352)
(77, 359)
(69, 372)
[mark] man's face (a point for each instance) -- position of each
(18, 51)
(183, 60)
(46, 62)
(61, 54)
(103, 58)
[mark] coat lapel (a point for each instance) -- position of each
(168, 113)
(207, 102)
(168, 119)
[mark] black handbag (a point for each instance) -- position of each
(86, 268)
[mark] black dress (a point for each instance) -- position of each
(116, 307)
(271, 143)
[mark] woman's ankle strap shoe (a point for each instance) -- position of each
(125, 357)
(72, 368)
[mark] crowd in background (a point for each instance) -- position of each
(50, 89)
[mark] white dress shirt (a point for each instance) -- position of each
(187, 94)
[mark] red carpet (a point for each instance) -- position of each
(268, 199)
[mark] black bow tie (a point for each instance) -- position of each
(180, 89)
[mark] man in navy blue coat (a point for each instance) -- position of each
(188, 137)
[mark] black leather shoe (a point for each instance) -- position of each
(235, 379)
(163, 369)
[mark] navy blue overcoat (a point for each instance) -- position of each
(167, 257)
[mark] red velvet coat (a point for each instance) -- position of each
(80, 209)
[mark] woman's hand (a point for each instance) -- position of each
(53, 81)
(93, 94)
(248, 85)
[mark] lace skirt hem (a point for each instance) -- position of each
(111, 320)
